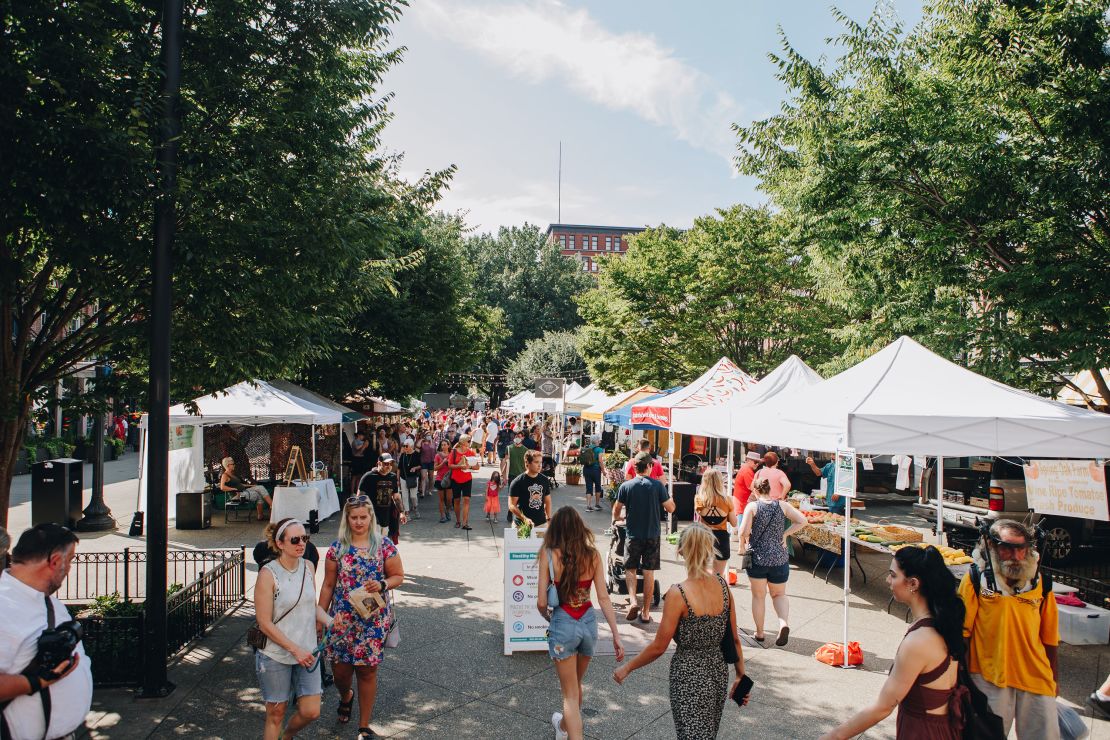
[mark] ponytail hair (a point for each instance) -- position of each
(762, 487)
(270, 534)
(697, 546)
(938, 586)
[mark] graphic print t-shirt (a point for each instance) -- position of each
(380, 488)
(530, 494)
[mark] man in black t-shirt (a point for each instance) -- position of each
(530, 492)
(380, 484)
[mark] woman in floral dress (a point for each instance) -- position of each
(359, 558)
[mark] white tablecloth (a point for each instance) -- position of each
(297, 501)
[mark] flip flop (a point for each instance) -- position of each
(633, 613)
(784, 635)
(759, 638)
(645, 618)
(344, 708)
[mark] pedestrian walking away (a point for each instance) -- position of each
(569, 565)
(697, 615)
(638, 502)
(762, 533)
(716, 511)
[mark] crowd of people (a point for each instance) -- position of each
(980, 652)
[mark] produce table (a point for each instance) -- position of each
(825, 538)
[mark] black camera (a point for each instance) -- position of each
(57, 646)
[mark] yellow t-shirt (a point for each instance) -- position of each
(1008, 635)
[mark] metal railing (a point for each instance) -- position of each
(94, 574)
(215, 583)
(1092, 591)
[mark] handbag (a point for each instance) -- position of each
(256, 638)
(728, 641)
(393, 636)
(552, 589)
(980, 722)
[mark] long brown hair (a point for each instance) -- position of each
(568, 534)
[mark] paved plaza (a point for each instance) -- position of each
(449, 677)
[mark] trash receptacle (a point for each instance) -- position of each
(56, 491)
(194, 510)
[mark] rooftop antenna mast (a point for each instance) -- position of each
(559, 217)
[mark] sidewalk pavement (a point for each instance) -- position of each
(449, 678)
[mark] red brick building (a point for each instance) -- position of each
(587, 243)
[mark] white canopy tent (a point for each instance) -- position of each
(591, 395)
(717, 421)
(254, 403)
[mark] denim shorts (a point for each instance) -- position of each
(281, 682)
(567, 636)
(772, 573)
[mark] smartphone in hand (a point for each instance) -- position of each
(742, 690)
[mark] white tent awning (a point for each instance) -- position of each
(252, 404)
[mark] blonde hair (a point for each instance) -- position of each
(227, 461)
(344, 536)
(712, 492)
(696, 546)
(762, 487)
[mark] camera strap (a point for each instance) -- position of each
(44, 694)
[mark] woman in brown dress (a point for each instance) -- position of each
(922, 682)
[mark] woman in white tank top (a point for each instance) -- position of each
(285, 606)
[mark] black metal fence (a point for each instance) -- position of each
(94, 574)
(1092, 590)
(107, 589)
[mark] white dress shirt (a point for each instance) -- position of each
(22, 620)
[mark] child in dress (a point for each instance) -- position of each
(493, 497)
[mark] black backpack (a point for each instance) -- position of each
(587, 457)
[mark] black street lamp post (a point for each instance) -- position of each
(98, 517)
(155, 682)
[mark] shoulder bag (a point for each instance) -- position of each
(552, 589)
(393, 636)
(728, 642)
(256, 638)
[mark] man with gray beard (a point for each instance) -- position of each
(1011, 626)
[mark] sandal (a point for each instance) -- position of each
(645, 617)
(633, 612)
(344, 709)
(365, 732)
(784, 636)
(759, 638)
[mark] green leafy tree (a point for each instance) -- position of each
(554, 355)
(431, 324)
(289, 219)
(952, 182)
(525, 276)
(734, 285)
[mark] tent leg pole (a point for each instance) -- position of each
(340, 457)
(670, 479)
(847, 574)
(940, 500)
(312, 431)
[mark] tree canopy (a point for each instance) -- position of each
(734, 285)
(554, 355)
(952, 182)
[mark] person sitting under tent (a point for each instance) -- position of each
(243, 490)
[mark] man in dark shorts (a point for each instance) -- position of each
(380, 484)
(530, 492)
(640, 500)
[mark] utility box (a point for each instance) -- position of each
(56, 491)
(194, 510)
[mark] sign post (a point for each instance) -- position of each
(846, 487)
(523, 628)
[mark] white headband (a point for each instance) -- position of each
(277, 535)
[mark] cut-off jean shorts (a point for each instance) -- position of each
(281, 682)
(567, 636)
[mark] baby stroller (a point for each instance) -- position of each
(547, 467)
(614, 565)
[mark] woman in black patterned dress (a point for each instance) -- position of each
(696, 614)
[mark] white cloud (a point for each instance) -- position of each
(528, 201)
(628, 71)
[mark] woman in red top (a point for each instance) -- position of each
(443, 482)
(570, 560)
(462, 481)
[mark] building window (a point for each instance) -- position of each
(595, 267)
(608, 244)
(594, 243)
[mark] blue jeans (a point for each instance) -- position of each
(592, 474)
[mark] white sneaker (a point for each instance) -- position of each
(556, 720)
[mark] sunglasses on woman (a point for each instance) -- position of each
(361, 498)
(298, 539)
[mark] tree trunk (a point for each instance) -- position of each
(12, 432)
(1100, 383)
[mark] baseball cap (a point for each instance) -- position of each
(385, 457)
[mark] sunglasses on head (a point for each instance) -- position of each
(298, 539)
(361, 498)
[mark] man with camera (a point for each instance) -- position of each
(45, 676)
(1011, 625)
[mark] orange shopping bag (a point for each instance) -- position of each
(832, 653)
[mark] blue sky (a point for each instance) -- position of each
(641, 94)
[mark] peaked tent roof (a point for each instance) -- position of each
(622, 415)
(716, 421)
(721, 382)
(906, 399)
(348, 414)
(591, 395)
(597, 411)
(253, 403)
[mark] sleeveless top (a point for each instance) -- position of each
(768, 526)
(299, 625)
(581, 604)
(714, 517)
(914, 720)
